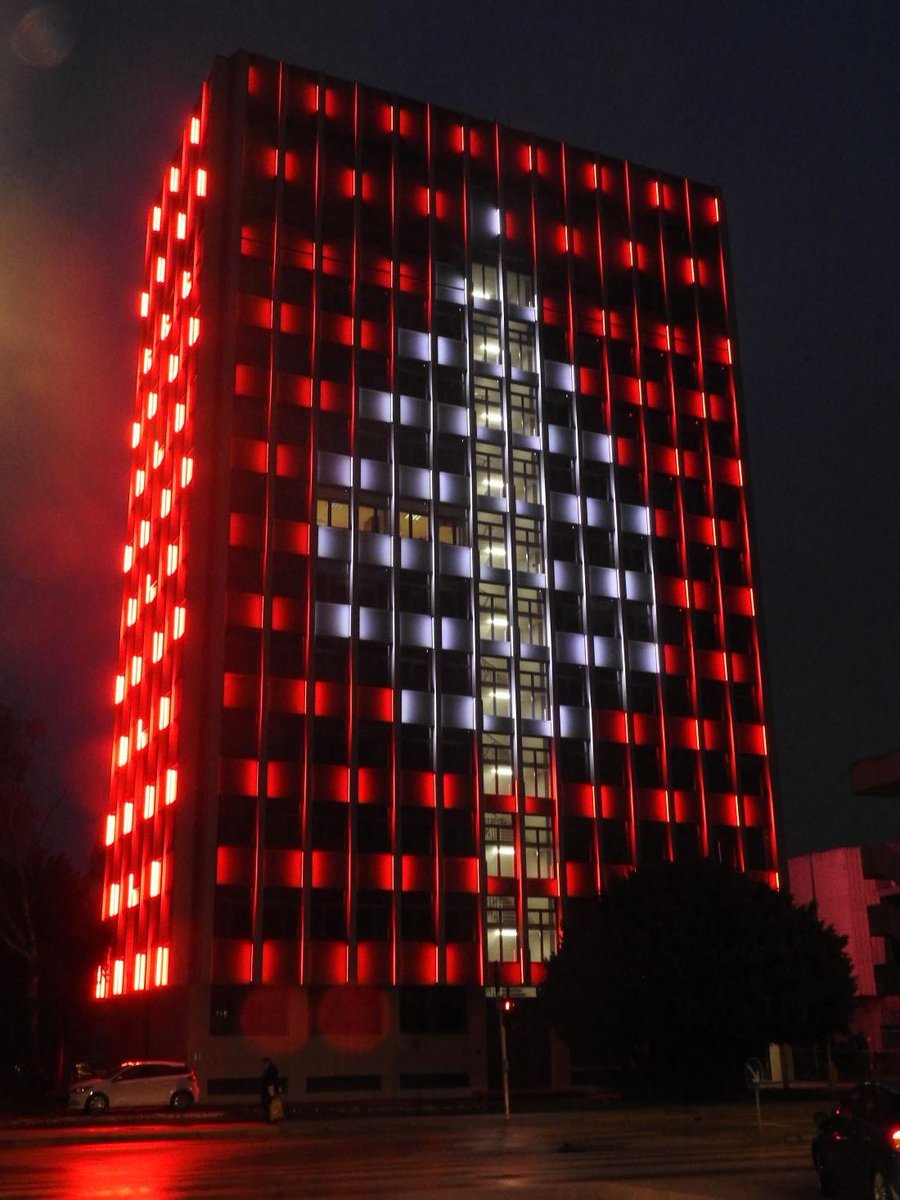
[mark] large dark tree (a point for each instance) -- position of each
(681, 972)
(49, 934)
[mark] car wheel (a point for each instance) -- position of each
(182, 1101)
(96, 1104)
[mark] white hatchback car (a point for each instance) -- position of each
(137, 1085)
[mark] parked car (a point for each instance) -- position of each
(856, 1151)
(137, 1085)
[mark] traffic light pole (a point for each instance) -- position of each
(502, 1008)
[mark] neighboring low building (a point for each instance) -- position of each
(857, 890)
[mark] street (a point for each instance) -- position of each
(609, 1155)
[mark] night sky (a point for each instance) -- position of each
(791, 107)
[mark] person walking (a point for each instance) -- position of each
(268, 1087)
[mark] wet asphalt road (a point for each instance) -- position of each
(611, 1156)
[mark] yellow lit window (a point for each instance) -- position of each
(140, 482)
(172, 558)
(145, 533)
(152, 403)
(140, 972)
(155, 877)
(158, 645)
(201, 181)
(131, 616)
(165, 711)
(178, 622)
(193, 330)
(135, 435)
(162, 966)
(128, 558)
(173, 366)
(157, 218)
(118, 977)
(180, 414)
(149, 801)
(171, 785)
(165, 502)
(137, 664)
(123, 751)
(127, 817)
(114, 893)
(110, 829)
(181, 227)
(187, 471)
(195, 131)
(160, 269)
(145, 304)
(174, 179)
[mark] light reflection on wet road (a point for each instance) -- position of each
(571, 1155)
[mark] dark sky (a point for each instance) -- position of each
(791, 107)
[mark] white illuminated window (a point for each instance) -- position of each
(523, 409)
(165, 325)
(496, 763)
(158, 645)
(519, 288)
(173, 367)
(148, 359)
(180, 414)
(499, 844)
(531, 610)
(526, 479)
(174, 179)
(185, 284)
(127, 817)
(488, 403)
(140, 972)
(536, 766)
(145, 303)
(181, 227)
(150, 589)
(485, 338)
(540, 919)
(152, 403)
(135, 435)
(490, 478)
(110, 829)
(521, 345)
(132, 611)
(187, 471)
(201, 181)
(155, 877)
(165, 502)
(132, 892)
(485, 282)
(193, 330)
(114, 897)
(540, 859)
(502, 932)
(171, 785)
(120, 688)
(128, 558)
(165, 711)
(160, 269)
(162, 966)
(157, 218)
(529, 548)
(491, 532)
(178, 622)
(142, 735)
(534, 694)
(494, 673)
(195, 131)
(493, 612)
(144, 536)
(140, 482)
(123, 751)
(137, 664)
(118, 977)
(172, 558)
(149, 801)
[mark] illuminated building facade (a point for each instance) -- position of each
(438, 611)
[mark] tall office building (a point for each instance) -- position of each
(438, 611)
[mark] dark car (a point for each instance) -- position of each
(856, 1151)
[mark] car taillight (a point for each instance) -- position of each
(894, 1136)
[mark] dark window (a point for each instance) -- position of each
(653, 845)
(417, 830)
(281, 913)
(564, 543)
(560, 473)
(578, 839)
(611, 766)
(374, 664)
(458, 833)
(327, 914)
(615, 841)
(237, 821)
(373, 829)
(687, 841)
(332, 659)
(633, 552)
(607, 687)
(417, 916)
(683, 769)
(638, 620)
(646, 766)
(373, 744)
(456, 673)
(672, 625)
(677, 695)
(373, 915)
(603, 616)
(460, 917)
(415, 669)
(414, 748)
(374, 586)
(433, 1009)
(232, 912)
(332, 581)
(282, 824)
(573, 760)
(330, 741)
(566, 610)
(414, 593)
(329, 825)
